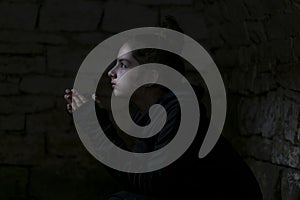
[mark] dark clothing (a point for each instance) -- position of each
(222, 174)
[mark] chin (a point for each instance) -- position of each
(116, 93)
(119, 93)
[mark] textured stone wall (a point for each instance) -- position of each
(255, 43)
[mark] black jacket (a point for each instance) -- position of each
(222, 174)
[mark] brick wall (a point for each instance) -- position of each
(255, 44)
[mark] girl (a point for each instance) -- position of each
(222, 174)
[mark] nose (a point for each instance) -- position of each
(112, 73)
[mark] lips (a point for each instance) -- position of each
(113, 84)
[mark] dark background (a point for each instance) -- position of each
(255, 44)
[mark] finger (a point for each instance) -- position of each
(95, 98)
(82, 98)
(74, 106)
(76, 100)
(79, 96)
(68, 98)
(74, 91)
(69, 108)
(68, 91)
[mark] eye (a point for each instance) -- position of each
(123, 66)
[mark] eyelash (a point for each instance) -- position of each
(123, 66)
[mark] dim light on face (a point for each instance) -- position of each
(125, 62)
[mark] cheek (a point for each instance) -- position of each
(128, 79)
(125, 83)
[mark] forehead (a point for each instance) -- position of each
(124, 51)
(125, 54)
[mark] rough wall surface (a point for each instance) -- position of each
(255, 44)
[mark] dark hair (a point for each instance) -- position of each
(150, 55)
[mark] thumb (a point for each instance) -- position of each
(96, 99)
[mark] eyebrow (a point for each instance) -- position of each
(124, 59)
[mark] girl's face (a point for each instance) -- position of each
(125, 62)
